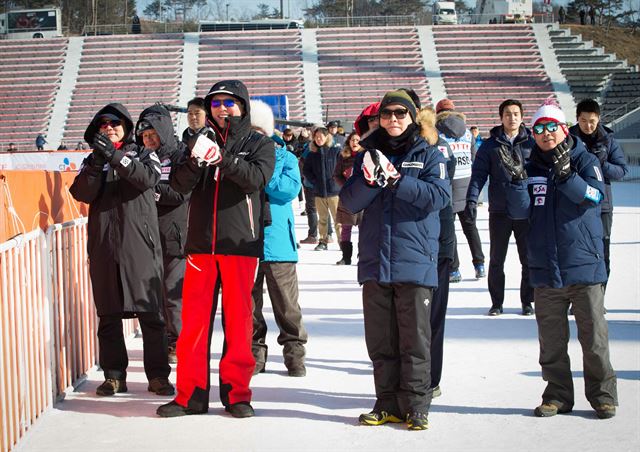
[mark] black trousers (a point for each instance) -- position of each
(500, 229)
(282, 284)
(312, 213)
(473, 238)
(398, 338)
(113, 351)
(438, 315)
(174, 268)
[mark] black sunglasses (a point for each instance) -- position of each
(538, 129)
(228, 103)
(399, 114)
(113, 123)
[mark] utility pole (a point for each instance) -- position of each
(227, 12)
(281, 9)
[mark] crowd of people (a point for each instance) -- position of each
(176, 222)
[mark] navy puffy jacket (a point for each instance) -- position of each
(400, 227)
(565, 235)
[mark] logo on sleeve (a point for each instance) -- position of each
(444, 151)
(443, 171)
(126, 161)
(539, 201)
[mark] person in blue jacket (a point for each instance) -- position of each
(512, 137)
(566, 262)
(599, 140)
(278, 266)
(400, 182)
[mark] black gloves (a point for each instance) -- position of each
(561, 159)
(98, 159)
(103, 145)
(513, 164)
(601, 153)
(471, 210)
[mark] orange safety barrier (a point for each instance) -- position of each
(31, 199)
(48, 323)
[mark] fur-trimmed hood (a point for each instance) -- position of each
(427, 119)
(328, 142)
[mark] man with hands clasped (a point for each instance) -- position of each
(117, 180)
(400, 182)
(566, 262)
(225, 239)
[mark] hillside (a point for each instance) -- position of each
(619, 40)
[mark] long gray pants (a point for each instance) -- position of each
(553, 333)
(282, 284)
(398, 336)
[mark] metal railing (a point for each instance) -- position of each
(48, 323)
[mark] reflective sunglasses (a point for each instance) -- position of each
(538, 129)
(113, 123)
(399, 114)
(228, 103)
(372, 118)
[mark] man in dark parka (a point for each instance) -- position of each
(117, 180)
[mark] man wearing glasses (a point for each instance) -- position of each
(566, 262)
(225, 239)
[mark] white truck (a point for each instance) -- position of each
(504, 11)
(31, 23)
(444, 13)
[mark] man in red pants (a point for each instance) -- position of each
(226, 179)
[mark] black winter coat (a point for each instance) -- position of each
(227, 206)
(319, 166)
(123, 238)
(172, 206)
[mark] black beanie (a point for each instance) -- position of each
(399, 97)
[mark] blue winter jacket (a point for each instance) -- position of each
(280, 243)
(488, 164)
(398, 236)
(604, 146)
(565, 231)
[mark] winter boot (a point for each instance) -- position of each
(347, 252)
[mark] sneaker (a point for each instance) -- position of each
(437, 392)
(321, 247)
(161, 386)
(173, 358)
(493, 312)
(343, 261)
(303, 213)
(311, 240)
(455, 276)
(417, 420)
(240, 409)
(172, 409)
(549, 409)
(111, 386)
(297, 371)
(480, 271)
(259, 369)
(378, 418)
(527, 309)
(605, 411)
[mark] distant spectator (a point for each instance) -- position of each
(12, 148)
(62, 147)
(40, 142)
(583, 15)
(592, 15)
(135, 25)
(80, 146)
(338, 139)
(476, 136)
(562, 15)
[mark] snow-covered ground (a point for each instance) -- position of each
(491, 380)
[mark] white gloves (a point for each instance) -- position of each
(378, 170)
(206, 150)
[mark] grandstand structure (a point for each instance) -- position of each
(53, 86)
